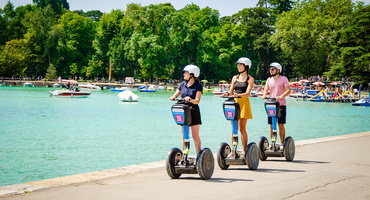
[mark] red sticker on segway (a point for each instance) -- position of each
(230, 114)
(271, 112)
(179, 118)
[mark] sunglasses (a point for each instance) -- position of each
(272, 69)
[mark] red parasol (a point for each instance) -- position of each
(295, 84)
(318, 83)
(335, 83)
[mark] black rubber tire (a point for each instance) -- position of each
(252, 156)
(262, 143)
(205, 163)
(223, 151)
(289, 148)
(173, 158)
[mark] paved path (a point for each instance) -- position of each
(325, 168)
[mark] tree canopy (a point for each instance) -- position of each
(309, 37)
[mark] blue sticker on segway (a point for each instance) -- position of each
(229, 112)
(271, 110)
(178, 116)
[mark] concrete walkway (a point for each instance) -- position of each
(325, 168)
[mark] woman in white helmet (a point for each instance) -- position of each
(241, 86)
(191, 91)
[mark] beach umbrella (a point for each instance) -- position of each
(305, 81)
(335, 83)
(317, 83)
(295, 84)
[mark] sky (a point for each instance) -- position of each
(225, 7)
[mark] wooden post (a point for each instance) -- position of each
(110, 71)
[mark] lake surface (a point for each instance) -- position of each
(44, 137)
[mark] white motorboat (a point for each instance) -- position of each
(128, 96)
(89, 86)
(71, 91)
(28, 84)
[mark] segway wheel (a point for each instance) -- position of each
(173, 158)
(205, 163)
(289, 148)
(251, 156)
(223, 151)
(263, 143)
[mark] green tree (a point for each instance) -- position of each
(56, 5)
(257, 27)
(277, 6)
(186, 36)
(14, 58)
(94, 68)
(305, 34)
(11, 22)
(75, 44)
(149, 42)
(51, 72)
(121, 65)
(107, 28)
(38, 23)
(351, 55)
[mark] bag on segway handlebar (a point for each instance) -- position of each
(272, 108)
(231, 110)
(181, 114)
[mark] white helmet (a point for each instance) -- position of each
(277, 65)
(245, 61)
(192, 69)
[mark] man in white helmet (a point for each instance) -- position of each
(279, 88)
(191, 91)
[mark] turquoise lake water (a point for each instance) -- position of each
(43, 137)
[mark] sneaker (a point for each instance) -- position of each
(282, 146)
(242, 155)
(191, 161)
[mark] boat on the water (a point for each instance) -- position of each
(28, 84)
(72, 90)
(69, 93)
(223, 88)
(362, 102)
(128, 96)
(151, 88)
(119, 89)
(89, 86)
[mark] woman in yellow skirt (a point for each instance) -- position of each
(241, 86)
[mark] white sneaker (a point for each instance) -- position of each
(242, 155)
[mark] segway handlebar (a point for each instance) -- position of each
(180, 99)
(230, 97)
(271, 98)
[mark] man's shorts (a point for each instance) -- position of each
(282, 118)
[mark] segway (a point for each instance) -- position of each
(275, 150)
(179, 162)
(227, 156)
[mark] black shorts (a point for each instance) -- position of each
(195, 115)
(282, 118)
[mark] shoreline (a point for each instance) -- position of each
(77, 179)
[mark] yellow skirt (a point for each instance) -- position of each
(245, 108)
